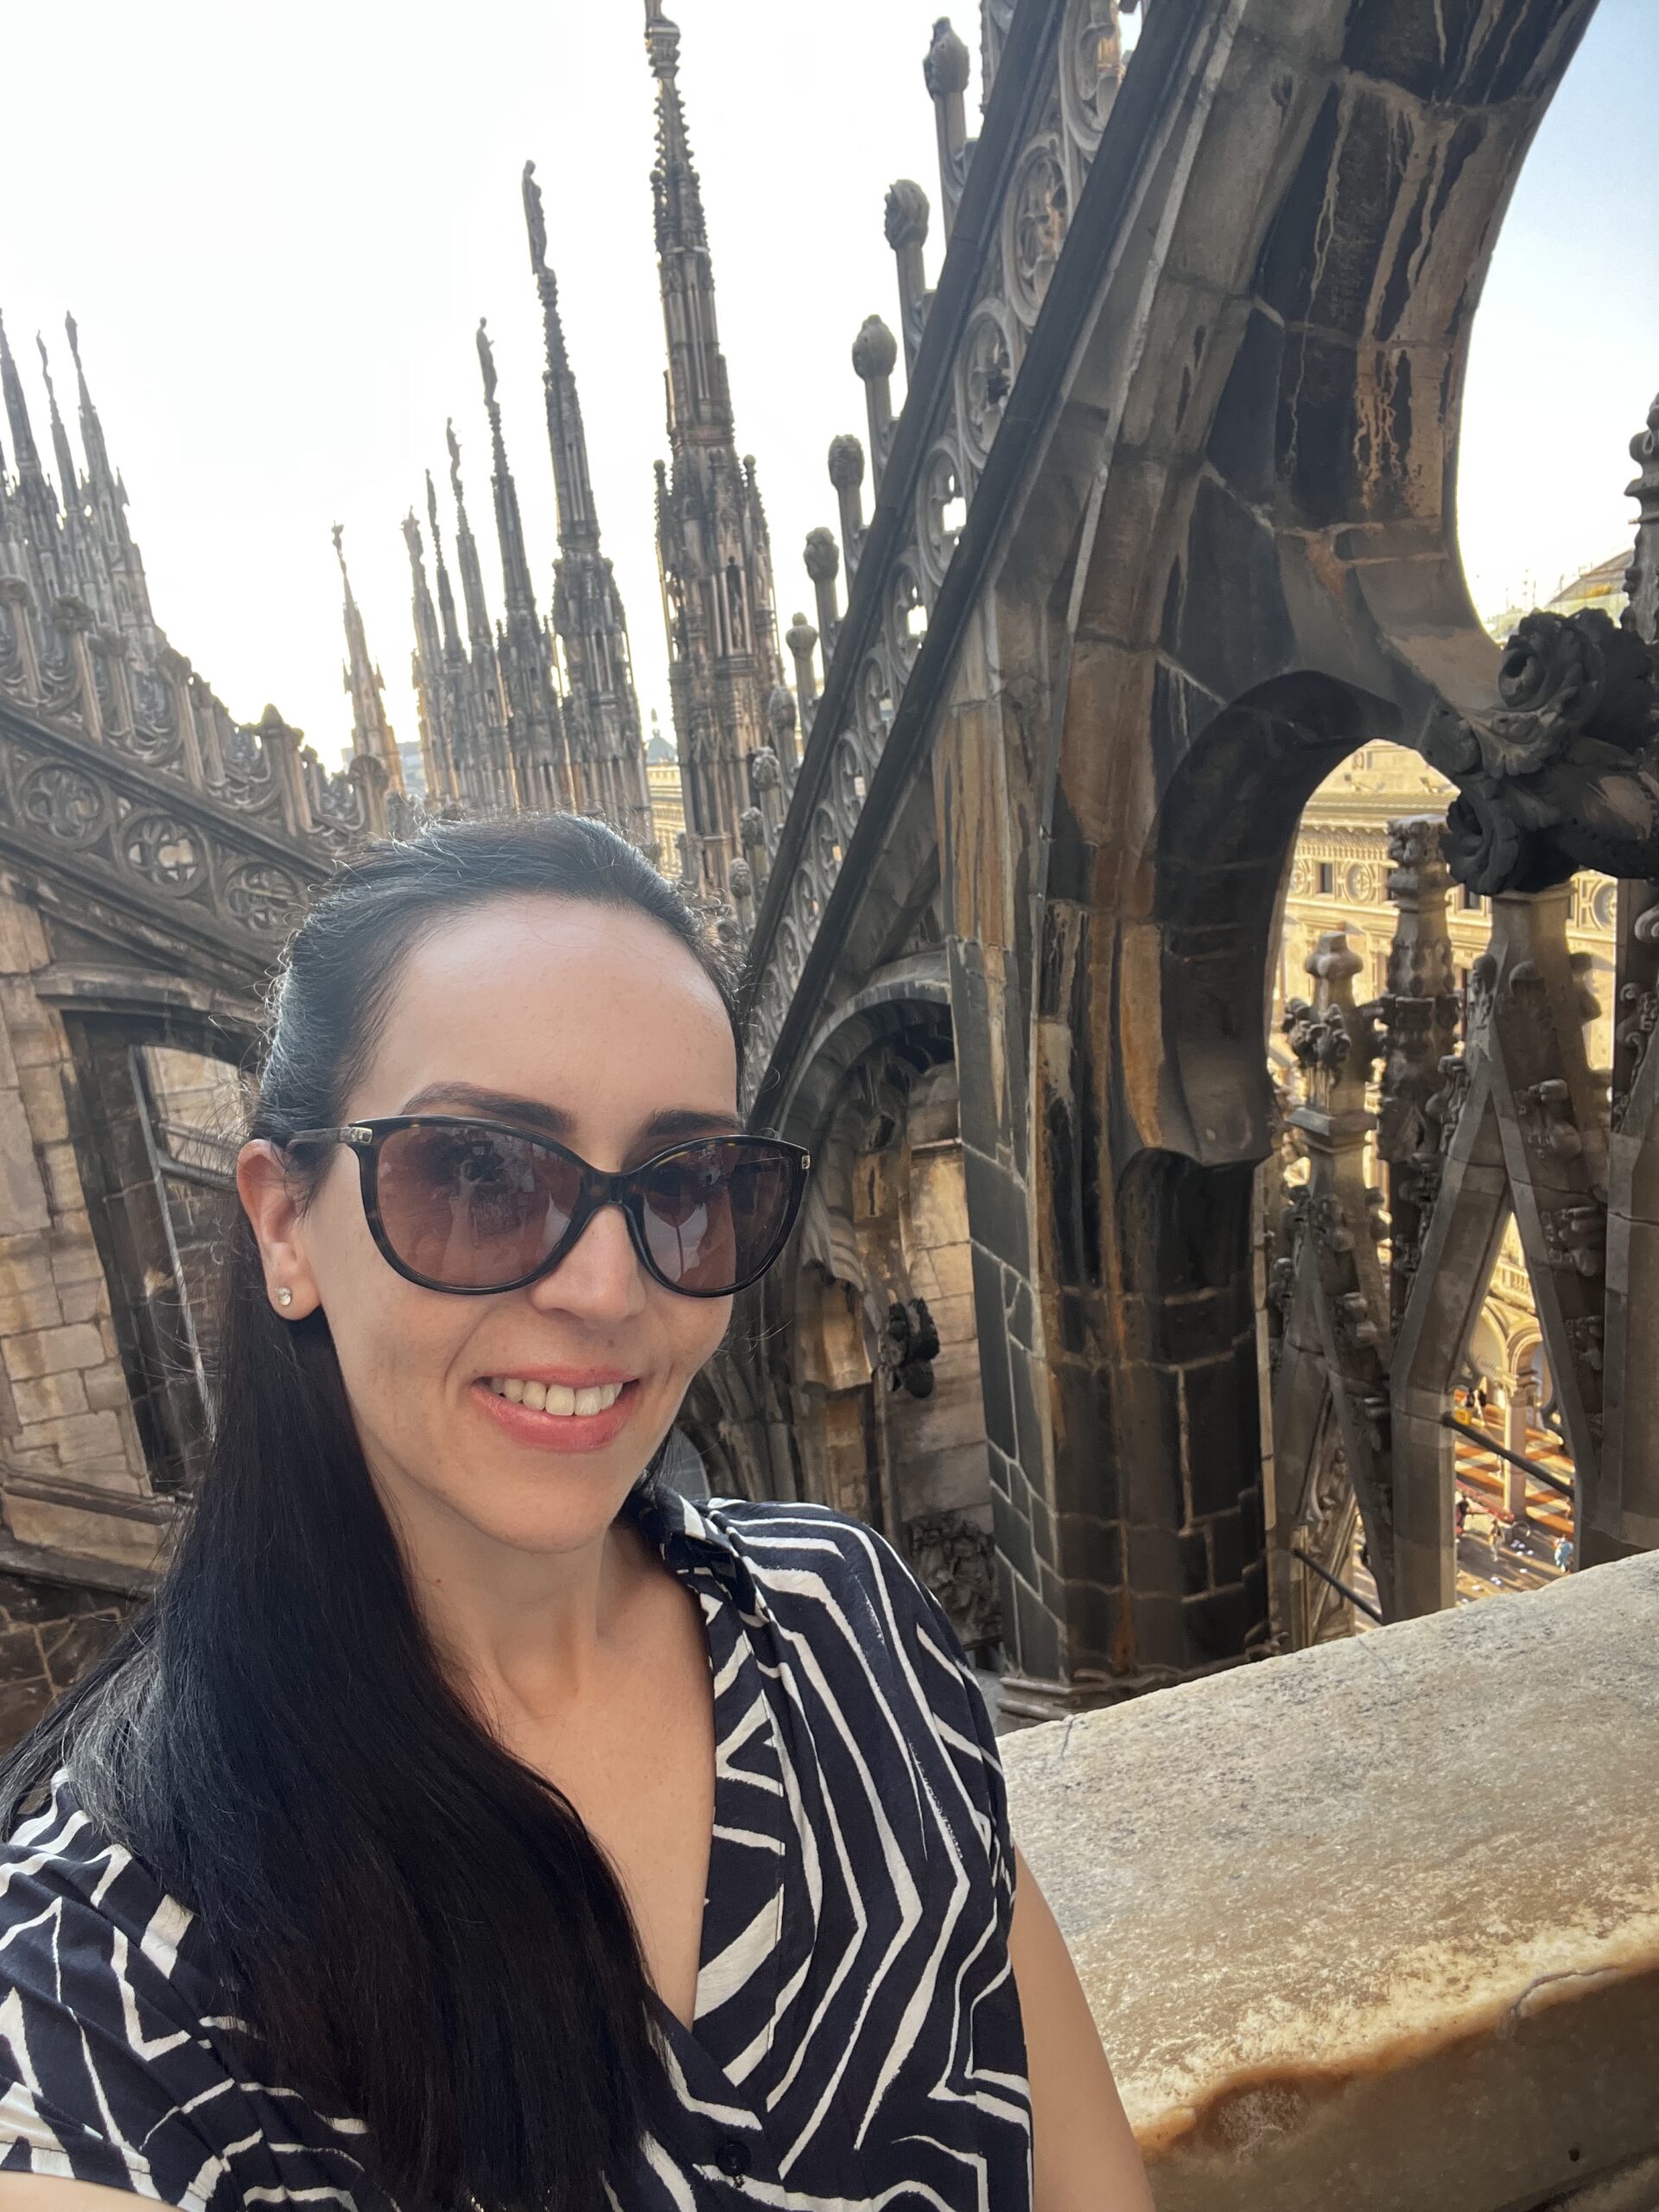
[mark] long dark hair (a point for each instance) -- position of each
(414, 1924)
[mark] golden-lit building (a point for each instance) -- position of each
(667, 809)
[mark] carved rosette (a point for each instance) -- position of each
(1034, 225)
(66, 805)
(847, 785)
(264, 898)
(164, 851)
(1091, 69)
(825, 857)
(989, 359)
(874, 702)
(907, 618)
(941, 501)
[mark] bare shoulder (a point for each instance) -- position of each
(46, 2193)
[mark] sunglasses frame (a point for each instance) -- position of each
(598, 1189)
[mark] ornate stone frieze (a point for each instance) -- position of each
(81, 814)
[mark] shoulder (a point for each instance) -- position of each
(815, 1559)
(881, 1647)
(119, 2065)
(72, 1895)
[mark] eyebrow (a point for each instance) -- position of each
(556, 1122)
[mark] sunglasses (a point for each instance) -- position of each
(476, 1206)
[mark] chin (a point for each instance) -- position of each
(564, 1509)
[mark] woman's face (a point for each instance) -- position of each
(589, 1024)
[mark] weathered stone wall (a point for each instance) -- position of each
(1377, 1926)
(66, 1422)
(50, 1633)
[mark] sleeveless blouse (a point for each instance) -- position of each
(857, 2042)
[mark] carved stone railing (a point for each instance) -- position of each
(96, 826)
(1053, 71)
(1377, 1926)
(129, 779)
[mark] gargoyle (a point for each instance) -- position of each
(1564, 773)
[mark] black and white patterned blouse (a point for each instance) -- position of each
(856, 2043)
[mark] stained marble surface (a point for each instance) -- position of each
(1377, 1926)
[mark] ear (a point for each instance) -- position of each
(270, 1200)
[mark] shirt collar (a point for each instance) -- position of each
(688, 1535)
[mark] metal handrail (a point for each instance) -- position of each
(1502, 1451)
(1326, 1575)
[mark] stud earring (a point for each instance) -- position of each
(284, 1296)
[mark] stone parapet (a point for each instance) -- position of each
(1377, 1926)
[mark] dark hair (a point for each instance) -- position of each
(412, 1922)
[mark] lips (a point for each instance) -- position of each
(568, 1418)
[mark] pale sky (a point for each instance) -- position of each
(277, 230)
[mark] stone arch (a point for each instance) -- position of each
(873, 1308)
(1243, 494)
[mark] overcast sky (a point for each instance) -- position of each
(278, 228)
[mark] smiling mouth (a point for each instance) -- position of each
(555, 1397)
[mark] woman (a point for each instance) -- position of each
(470, 1820)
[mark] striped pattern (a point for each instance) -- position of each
(856, 2043)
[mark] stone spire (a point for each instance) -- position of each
(426, 670)
(485, 767)
(372, 736)
(35, 498)
(107, 496)
(601, 710)
(699, 397)
(535, 717)
(711, 530)
(456, 686)
(68, 474)
(81, 571)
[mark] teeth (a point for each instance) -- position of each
(556, 1397)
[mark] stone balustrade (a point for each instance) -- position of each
(1374, 1927)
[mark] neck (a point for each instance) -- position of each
(523, 1635)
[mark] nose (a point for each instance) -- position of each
(599, 1279)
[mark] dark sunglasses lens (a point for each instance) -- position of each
(471, 1208)
(716, 1215)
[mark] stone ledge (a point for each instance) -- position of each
(1377, 1926)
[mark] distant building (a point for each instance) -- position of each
(1602, 586)
(667, 807)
